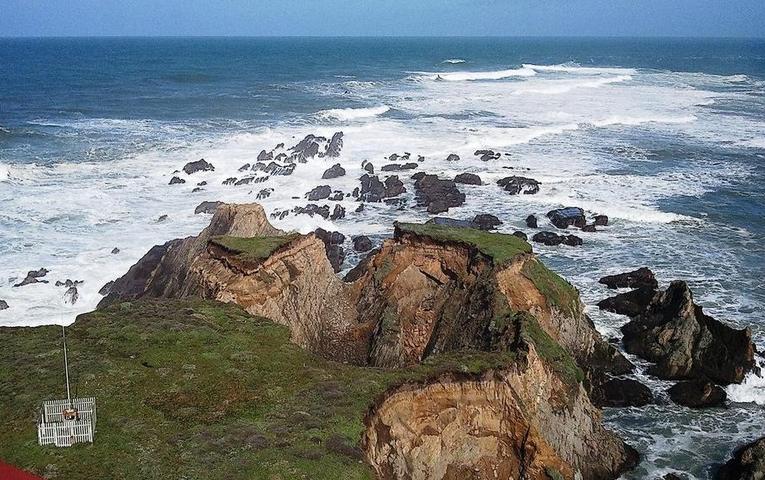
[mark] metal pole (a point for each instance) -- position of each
(66, 368)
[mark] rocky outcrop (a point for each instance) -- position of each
(334, 171)
(641, 278)
(486, 221)
(199, 166)
(33, 276)
(631, 303)
(436, 194)
(552, 239)
(430, 291)
(564, 217)
(362, 243)
(207, 207)
(684, 343)
(748, 463)
(620, 392)
(504, 424)
(697, 394)
(515, 185)
(4, 305)
(176, 181)
(468, 179)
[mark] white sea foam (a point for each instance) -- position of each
(576, 69)
(348, 114)
(454, 61)
(752, 389)
(474, 76)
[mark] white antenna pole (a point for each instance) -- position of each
(66, 368)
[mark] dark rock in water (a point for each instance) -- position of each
(672, 476)
(176, 181)
(161, 218)
(207, 207)
(601, 220)
(697, 394)
(393, 157)
(265, 156)
(362, 243)
(273, 168)
(334, 146)
(338, 213)
(487, 155)
(71, 295)
(436, 194)
(229, 181)
(531, 221)
(589, 228)
(69, 283)
(197, 189)
(368, 167)
(563, 217)
(106, 288)
(4, 305)
(394, 187)
(360, 208)
(244, 181)
(372, 189)
(684, 343)
(453, 157)
(515, 185)
(468, 179)
(319, 193)
(521, 235)
(245, 167)
(420, 158)
(333, 246)
(631, 303)
(280, 215)
(334, 171)
(748, 463)
(265, 193)
(306, 148)
(336, 196)
(620, 393)
(198, 166)
(33, 276)
(312, 209)
(487, 221)
(395, 167)
(642, 277)
(451, 222)
(202, 184)
(115, 251)
(551, 239)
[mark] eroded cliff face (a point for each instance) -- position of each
(429, 290)
(502, 424)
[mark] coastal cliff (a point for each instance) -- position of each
(447, 353)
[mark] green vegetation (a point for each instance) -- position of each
(253, 249)
(188, 389)
(549, 350)
(498, 246)
(553, 474)
(558, 292)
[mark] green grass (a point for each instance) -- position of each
(253, 248)
(558, 292)
(188, 389)
(498, 246)
(550, 351)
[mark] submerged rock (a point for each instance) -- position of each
(4, 305)
(396, 167)
(641, 278)
(453, 157)
(115, 251)
(487, 155)
(748, 463)
(515, 185)
(198, 166)
(697, 394)
(684, 343)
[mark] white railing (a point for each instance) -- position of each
(54, 429)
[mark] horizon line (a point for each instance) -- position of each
(689, 37)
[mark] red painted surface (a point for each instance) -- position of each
(9, 472)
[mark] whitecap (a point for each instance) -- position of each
(348, 114)
(466, 76)
(453, 61)
(752, 389)
(576, 69)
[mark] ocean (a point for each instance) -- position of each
(665, 136)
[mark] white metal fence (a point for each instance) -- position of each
(54, 429)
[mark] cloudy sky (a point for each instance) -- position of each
(738, 18)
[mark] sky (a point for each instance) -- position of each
(707, 18)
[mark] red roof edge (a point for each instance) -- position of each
(9, 472)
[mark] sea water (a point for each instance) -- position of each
(665, 136)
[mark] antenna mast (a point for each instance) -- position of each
(66, 368)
